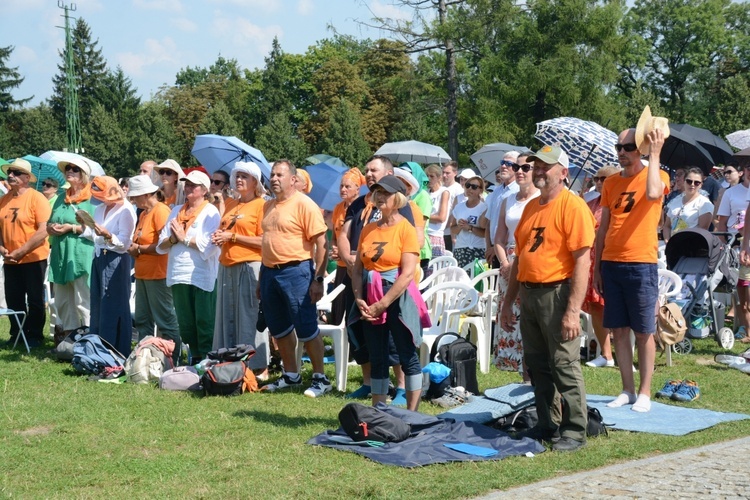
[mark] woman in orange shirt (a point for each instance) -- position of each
(239, 236)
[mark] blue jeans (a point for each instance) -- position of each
(285, 294)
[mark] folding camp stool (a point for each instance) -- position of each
(20, 321)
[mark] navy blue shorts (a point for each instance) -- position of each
(631, 291)
(285, 294)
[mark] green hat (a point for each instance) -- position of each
(551, 155)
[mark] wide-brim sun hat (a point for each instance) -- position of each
(170, 164)
(647, 123)
(77, 162)
(22, 165)
(140, 185)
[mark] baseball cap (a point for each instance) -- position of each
(391, 184)
(551, 155)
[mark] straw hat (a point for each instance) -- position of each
(22, 165)
(647, 123)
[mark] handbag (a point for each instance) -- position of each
(670, 325)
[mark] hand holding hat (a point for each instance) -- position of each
(651, 130)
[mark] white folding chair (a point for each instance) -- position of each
(441, 262)
(481, 325)
(670, 285)
(20, 317)
(452, 273)
(446, 303)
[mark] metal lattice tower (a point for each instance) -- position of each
(72, 119)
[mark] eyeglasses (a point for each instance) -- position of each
(691, 182)
(473, 186)
(72, 168)
(48, 185)
(217, 182)
(524, 168)
(600, 179)
(164, 171)
(506, 163)
(16, 173)
(629, 147)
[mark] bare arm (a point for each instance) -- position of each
(345, 249)
(407, 268)
(507, 318)
(321, 261)
(705, 220)
(442, 212)
(654, 185)
(744, 254)
(601, 233)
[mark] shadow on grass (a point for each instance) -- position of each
(39, 353)
(283, 420)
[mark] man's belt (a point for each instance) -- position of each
(550, 284)
(287, 264)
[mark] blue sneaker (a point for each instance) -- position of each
(400, 398)
(670, 387)
(361, 393)
(688, 391)
(741, 333)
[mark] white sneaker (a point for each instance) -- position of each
(284, 382)
(600, 362)
(319, 387)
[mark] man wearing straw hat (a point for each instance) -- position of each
(625, 271)
(24, 213)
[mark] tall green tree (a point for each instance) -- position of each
(343, 137)
(90, 74)
(108, 142)
(278, 139)
(155, 138)
(30, 131)
(10, 79)
(218, 120)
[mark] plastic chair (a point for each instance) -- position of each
(20, 321)
(51, 308)
(336, 332)
(587, 333)
(670, 285)
(441, 262)
(446, 303)
(482, 324)
(443, 275)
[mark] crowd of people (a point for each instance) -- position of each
(209, 255)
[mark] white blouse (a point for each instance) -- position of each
(120, 222)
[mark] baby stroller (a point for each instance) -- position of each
(702, 260)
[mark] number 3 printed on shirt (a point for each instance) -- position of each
(379, 246)
(629, 198)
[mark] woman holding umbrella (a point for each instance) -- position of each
(111, 230)
(70, 256)
(239, 237)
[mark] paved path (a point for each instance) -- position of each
(717, 470)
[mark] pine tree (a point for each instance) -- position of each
(344, 137)
(10, 79)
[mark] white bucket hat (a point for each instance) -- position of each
(141, 184)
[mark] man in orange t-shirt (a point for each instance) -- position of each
(553, 243)
(626, 271)
(24, 213)
(291, 283)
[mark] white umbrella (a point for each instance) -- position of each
(419, 152)
(739, 139)
(488, 158)
(58, 156)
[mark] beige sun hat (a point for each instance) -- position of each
(141, 184)
(647, 123)
(76, 162)
(22, 165)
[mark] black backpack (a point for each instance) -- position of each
(460, 356)
(365, 423)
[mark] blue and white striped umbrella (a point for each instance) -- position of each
(588, 144)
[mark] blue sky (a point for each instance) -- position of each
(153, 39)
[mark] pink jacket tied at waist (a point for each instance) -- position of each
(375, 293)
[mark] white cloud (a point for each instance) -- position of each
(24, 55)
(242, 33)
(266, 6)
(155, 52)
(305, 7)
(184, 24)
(389, 11)
(166, 5)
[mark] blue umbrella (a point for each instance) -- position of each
(588, 144)
(326, 180)
(44, 169)
(322, 158)
(219, 152)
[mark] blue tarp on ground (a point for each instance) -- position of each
(495, 403)
(427, 444)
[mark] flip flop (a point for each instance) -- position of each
(86, 218)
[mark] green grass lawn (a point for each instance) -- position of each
(63, 436)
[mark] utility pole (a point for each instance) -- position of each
(72, 119)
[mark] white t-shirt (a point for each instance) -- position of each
(438, 228)
(686, 216)
(733, 205)
(455, 190)
(494, 200)
(467, 239)
(513, 213)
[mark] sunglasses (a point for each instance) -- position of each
(73, 168)
(216, 182)
(691, 182)
(629, 147)
(523, 168)
(16, 173)
(727, 172)
(48, 185)
(506, 163)
(473, 186)
(599, 179)
(164, 171)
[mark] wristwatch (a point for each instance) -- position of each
(319, 279)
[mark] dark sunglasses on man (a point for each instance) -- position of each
(15, 173)
(506, 163)
(48, 185)
(629, 147)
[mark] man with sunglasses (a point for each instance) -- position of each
(505, 185)
(24, 213)
(625, 271)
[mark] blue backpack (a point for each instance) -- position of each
(91, 354)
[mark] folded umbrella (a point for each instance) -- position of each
(44, 169)
(58, 156)
(219, 152)
(326, 180)
(488, 158)
(719, 151)
(419, 152)
(739, 139)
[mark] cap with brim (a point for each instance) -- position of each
(647, 123)
(197, 177)
(391, 184)
(405, 175)
(551, 155)
(22, 165)
(170, 164)
(140, 185)
(467, 173)
(78, 162)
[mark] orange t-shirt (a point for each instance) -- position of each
(633, 218)
(547, 235)
(289, 229)
(246, 217)
(150, 224)
(337, 219)
(380, 247)
(416, 212)
(20, 217)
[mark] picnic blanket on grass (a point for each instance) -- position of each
(496, 402)
(668, 419)
(427, 443)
